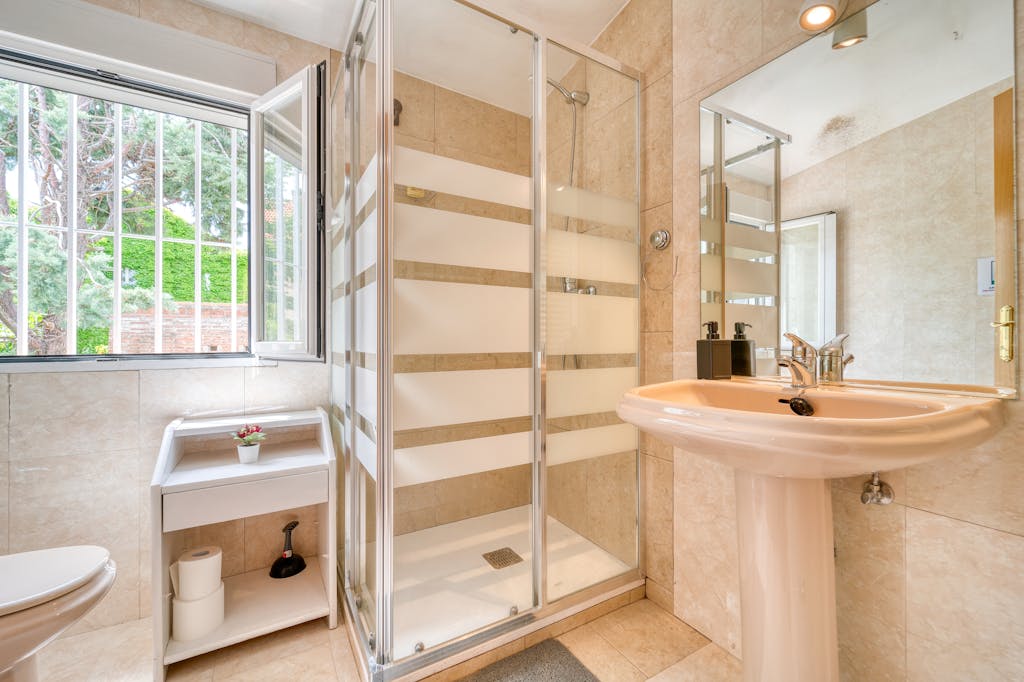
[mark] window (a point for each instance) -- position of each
(125, 220)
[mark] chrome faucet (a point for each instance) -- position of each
(803, 364)
(833, 360)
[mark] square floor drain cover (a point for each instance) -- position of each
(502, 558)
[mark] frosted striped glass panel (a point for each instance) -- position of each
(579, 324)
(588, 391)
(367, 186)
(459, 458)
(366, 319)
(442, 317)
(366, 243)
(366, 393)
(430, 236)
(595, 258)
(572, 446)
(366, 453)
(745, 279)
(573, 202)
(437, 398)
(339, 335)
(450, 176)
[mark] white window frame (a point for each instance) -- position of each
(309, 83)
(826, 223)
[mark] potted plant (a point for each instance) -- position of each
(249, 437)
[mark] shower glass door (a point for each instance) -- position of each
(592, 321)
(462, 316)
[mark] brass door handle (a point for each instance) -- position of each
(1006, 326)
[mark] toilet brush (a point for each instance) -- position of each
(289, 563)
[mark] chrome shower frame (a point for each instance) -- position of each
(375, 659)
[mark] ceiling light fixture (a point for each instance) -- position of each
(851, 32)
(818, 15)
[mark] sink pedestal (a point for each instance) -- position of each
(787, 579)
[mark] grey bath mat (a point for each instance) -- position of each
(548, 661)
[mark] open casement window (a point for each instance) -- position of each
(287, 169)
(808, 279)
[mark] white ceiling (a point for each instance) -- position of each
(920, 55)
(326, 22)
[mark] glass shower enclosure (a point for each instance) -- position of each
(485, 322)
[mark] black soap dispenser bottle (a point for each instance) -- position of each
(714, 355)
(744, 358)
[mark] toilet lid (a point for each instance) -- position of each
(31, 578)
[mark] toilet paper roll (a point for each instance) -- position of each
(199, 617)
(196, 573)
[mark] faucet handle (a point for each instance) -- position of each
(801, 349)
(835, 345)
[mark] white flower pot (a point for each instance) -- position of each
(248, 454)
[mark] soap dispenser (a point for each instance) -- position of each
(714, 355)
(744, 362)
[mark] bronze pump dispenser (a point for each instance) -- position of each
(714, 355)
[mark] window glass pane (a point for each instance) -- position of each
(215, 290)
(46, 188)
(8, 287)
(179, 178)
(95, 297)
(138, 171)
(216, 183)
(95, 158)
(178, 331)
(47, 291)
(9, 169)
(138, 316)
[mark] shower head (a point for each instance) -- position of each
(570, 97)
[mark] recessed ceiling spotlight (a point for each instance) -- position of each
(817, 15)
(851, 32)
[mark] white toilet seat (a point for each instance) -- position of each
(28, 579)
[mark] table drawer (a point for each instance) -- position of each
(238, 500)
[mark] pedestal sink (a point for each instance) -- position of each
(783, 503)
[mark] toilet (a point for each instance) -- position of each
(42, 593)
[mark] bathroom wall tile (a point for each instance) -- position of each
(965, 594)
(711, 40)
(417, 97)
(4, 511)
(709, 664)
(648, 636)
(657, 357)
(656, 174)
(686, 227)
(897, 480)
(988, 480)
(264, 537)
(289, 386)
(640, 36)
(868, 648)
(5, 415)
(194, 18)
(291, 53)
(659, 595)
(611, 504)
(102, 407)
(610, 165)
(124, 6)
(657, 508)
(707, 590)
(659, 267)
(474, 128)
(649, 445)
(869, 542)
(599, 657)
(81, 499)
(229, 536)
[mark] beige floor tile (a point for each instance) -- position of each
(121, 653)
(312, 665)
(344, 659)
(593, 651)
(649, 637)
(709, 664)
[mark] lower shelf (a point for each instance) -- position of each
(256, 604)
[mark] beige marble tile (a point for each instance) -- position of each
(965, 594)
(659, 268)
(611, 502)
(4, 499)
(600, 657)
(417, 117)
(291, 53)
(657, 356)
(988, 479)
(660, 595)
(474, 126)
(264, 538)
(707, 589)
(345, 665)
(648, 636)
(640, 36)
(84, 412)
(869, 542)
(289, 386)
(656, 133)
(229, 536)
(82, 499)
(124, 6)
(708, 664)
(870, 649)
(658, 537)
(121, 653)
(193, 18)
(313, 665)
(711, 40)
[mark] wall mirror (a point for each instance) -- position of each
(869, 190)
